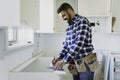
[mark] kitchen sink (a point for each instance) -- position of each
(36, 69)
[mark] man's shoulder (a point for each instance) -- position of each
(81, 17)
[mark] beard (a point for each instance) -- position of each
(69, 17)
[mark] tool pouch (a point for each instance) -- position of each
(80, 65)
(90, 60)
(72, 69)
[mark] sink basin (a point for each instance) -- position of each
(39, 65)
(36, 69)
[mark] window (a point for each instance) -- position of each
(20, 35)
(12, 36)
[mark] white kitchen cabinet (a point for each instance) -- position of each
(97, 8)
(9, 12)
(46, 8)
(115, 16)
(94, 7)
(114, 73)
(117, 68)
(29, 10)
(42, 14)
(38, 14)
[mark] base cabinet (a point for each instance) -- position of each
(114, 67)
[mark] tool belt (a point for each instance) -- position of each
(90, 60)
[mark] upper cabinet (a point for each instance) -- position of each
(94, 7)
(98, 12)
(38, 14)
(29, 13)
(9, 12)
(42, 14)
(46, 11)
(115, 15)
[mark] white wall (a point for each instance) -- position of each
(107, 41)
(53, 42)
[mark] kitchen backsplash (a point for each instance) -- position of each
(52, 43)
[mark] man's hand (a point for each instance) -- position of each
(59, 64)
(55, 60)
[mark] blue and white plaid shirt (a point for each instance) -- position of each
(78, 41)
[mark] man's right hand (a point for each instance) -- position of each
(55, 60)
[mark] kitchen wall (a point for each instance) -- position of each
(53, 42)
(107, 41)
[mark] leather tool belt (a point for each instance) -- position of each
(90, 60)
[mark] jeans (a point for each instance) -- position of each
(88, 75)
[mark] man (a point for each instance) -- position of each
(78, 42)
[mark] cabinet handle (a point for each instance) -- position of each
(54, 28)
(114, 59)
(114, 69)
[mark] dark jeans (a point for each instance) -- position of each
(88, 75)
(84, 76)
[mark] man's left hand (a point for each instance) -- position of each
(59, 64)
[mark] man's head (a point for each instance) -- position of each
(66, 12)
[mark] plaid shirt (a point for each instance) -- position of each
(78, 41)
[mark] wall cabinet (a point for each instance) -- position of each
(42, 14)
(115, 16)
(29, 13)
(9, 12)
(94, 7)
(97, 8)
(38, 14)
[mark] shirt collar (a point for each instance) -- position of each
(73, 20)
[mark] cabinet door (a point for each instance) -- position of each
(29, 10)
(9, 12)
(94, 7)
(60, 25)
(117, 67)
(38, 14)
(116, 15)
(46, 15)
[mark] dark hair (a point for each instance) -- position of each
(64, 7)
